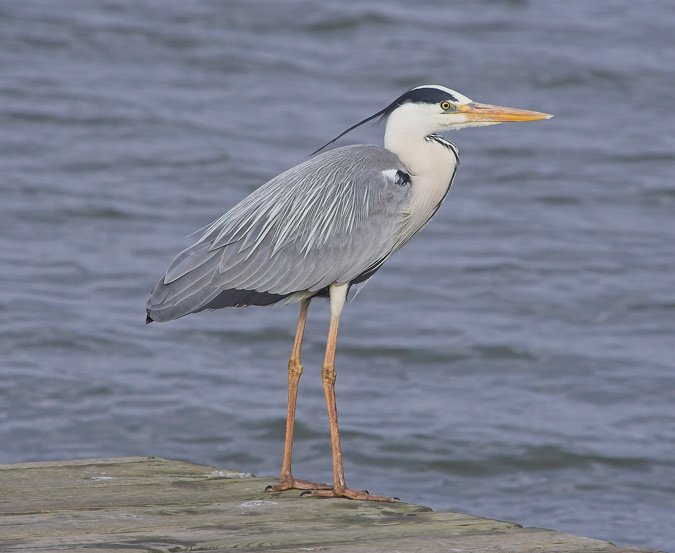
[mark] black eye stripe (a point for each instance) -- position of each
(417, 95)
(426, 96)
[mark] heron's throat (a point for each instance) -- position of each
(406, 135)
(431, 166)
(422, 155)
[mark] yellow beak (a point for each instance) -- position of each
(498, 114)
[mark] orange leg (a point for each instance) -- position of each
(339, 489)
(287, 481)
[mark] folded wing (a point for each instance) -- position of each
(334, 218)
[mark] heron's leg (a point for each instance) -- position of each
(294, 372)
(338, 295)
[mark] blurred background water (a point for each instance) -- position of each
(516, 360)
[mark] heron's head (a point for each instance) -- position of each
(430, 109)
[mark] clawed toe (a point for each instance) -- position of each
(295, 484)
(361, 495)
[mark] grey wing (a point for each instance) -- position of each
(335, 218)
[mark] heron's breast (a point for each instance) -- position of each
(429, 189)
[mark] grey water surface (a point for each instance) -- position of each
(516, 360)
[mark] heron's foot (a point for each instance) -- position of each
(296, 484)
(362, 495)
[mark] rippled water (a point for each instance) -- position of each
(516, 360)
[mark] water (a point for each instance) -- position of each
(515, 361)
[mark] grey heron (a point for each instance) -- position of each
(324, 226)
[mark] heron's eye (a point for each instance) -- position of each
(445, 106)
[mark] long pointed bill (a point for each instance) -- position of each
(497, 114)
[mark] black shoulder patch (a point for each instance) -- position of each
(402, 178)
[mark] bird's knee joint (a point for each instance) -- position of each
(328, 374)
(294, 368)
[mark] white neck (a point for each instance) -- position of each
(431, 165)
(405, 133)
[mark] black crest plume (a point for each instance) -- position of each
(424, 94)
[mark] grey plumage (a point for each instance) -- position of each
(332, 219)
